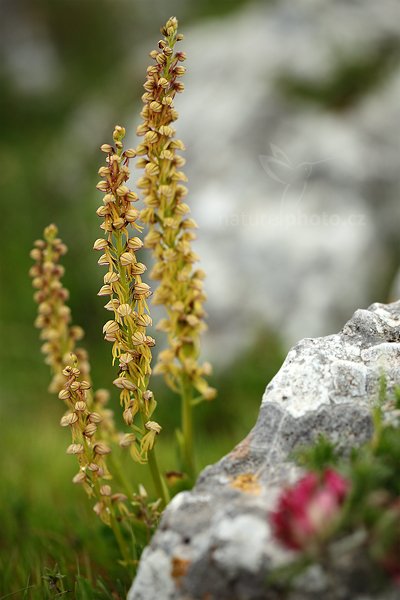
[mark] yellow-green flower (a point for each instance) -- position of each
(127, 328)
(171, 231)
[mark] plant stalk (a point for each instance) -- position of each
(121, 542)
(187, 428)
(159, 483)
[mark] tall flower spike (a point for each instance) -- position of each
(127, 293)
(171, 230)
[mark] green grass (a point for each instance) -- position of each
(46, 521)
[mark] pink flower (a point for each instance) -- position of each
(307, 510)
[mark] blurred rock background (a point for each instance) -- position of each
(291, 120)
(294, 169)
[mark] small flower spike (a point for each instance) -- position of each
(85, 444)
(54, 316)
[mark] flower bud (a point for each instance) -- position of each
(127, 258)
(167, 131)
(138, 268)
(68, 419)
(101, 448)
(153, 426)
(152, 169)
(142, 289)
(118, 133)
(112, 304)
(90, 430)
(155, 107)
(103, 186)
(127, 439)
(111, 277)
(128, 416)
(124, 310)
(122, 190)
(100, 244)
(75, 449)
(104, 171)
(131, 215)
(79, 477)
(135, 243)
(124, 384)
(106, 148)
(64, 394)
(151, 137)
(104, 260)
(138, 338)
(110, 327)
(119, 223)
(94, 417)
(307, 511)
(105, 290)
(105, 490)
(143, 320)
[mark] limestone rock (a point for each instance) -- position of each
(214, 542)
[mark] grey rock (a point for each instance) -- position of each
(215, 542)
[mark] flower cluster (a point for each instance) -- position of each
(86, 411)
(89, 451)
(54, 316)
(308, 511)
(171, 230)
(128, 293)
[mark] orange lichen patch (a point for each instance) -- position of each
(180, 567)
(247, 482)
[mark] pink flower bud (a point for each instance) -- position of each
(307, 510)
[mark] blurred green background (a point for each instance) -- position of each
(52, 123)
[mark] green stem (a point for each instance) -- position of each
(115, 526)
(121, 541)
(136, 524)
(187, 427)
(159, 482)
(116, 467)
